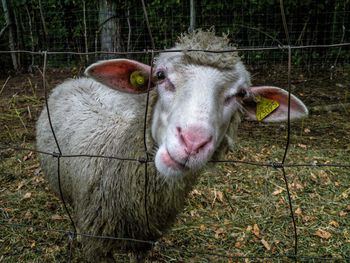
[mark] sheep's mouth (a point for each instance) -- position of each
(172, 163)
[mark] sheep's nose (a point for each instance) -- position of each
(194, 139)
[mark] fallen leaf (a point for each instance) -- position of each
(323, 234)
(342, 213)
(219, 233)
(196, 192)
(33, 167)
(345, 194)
(202, 227)
(333, 223)
(303, 146)
(277, 191)
(7, 209)
(307, 130)
(298, 211)
(193, 213)
(28, 156)
(220, 196)
(296, 186)
(266, 244)
(256, 230)
(28, 215)
(27, 195)
(217, 196)
(20, 185)
(57, 217)
(238, 244)
(32, 245)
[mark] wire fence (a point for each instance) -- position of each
(70, 235)
(249, 24)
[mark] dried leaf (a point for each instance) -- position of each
(27, 195)
(33, 167)
(28, 156)
(32, 245)
(238, 244)
(219, 196)
(196, 192)
(7, 209)
(277, 191)
(342, 213)
(323, 234)
(307, 130)
(256, 230)
(20, 185)
(57, 217)
(345, 194)
(202, 228)
(303, 146)
(28, 215)
(219, 233)
(333, 223)
(298, 211)
(266, 244)
(193, 213)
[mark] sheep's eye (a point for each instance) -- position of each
(160, 75)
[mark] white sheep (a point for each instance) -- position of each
(196, 103)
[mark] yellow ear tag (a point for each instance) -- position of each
(264, 107)
(137, 79)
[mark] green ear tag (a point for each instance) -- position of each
(264, 107)
(137, 79)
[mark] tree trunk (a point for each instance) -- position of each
(192, 16)
(11, 34)
(31, 37)
(107, 19)
(85, 33)
(43, 22)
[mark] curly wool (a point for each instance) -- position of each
(207, 40)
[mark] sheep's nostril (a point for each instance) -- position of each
(194, 140)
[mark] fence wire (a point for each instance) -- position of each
(71, 235)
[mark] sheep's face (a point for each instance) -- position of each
(197, 96)
(194, 108)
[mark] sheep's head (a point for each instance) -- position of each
(198, 93)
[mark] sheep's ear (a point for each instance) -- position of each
(121, 74)
(270, 104)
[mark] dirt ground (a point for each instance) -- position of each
(237, 212)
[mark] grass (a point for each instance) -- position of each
(235, 211)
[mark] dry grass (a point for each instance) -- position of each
(235, 210)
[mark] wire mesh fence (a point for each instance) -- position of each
(310, 153)
(248, 24)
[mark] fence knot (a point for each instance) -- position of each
(56, 155)
(71, 236)
(276, 165)
(142, 160)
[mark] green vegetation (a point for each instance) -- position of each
(60, 26)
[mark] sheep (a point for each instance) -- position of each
(196, 102)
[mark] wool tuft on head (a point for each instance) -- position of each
(207, 40)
